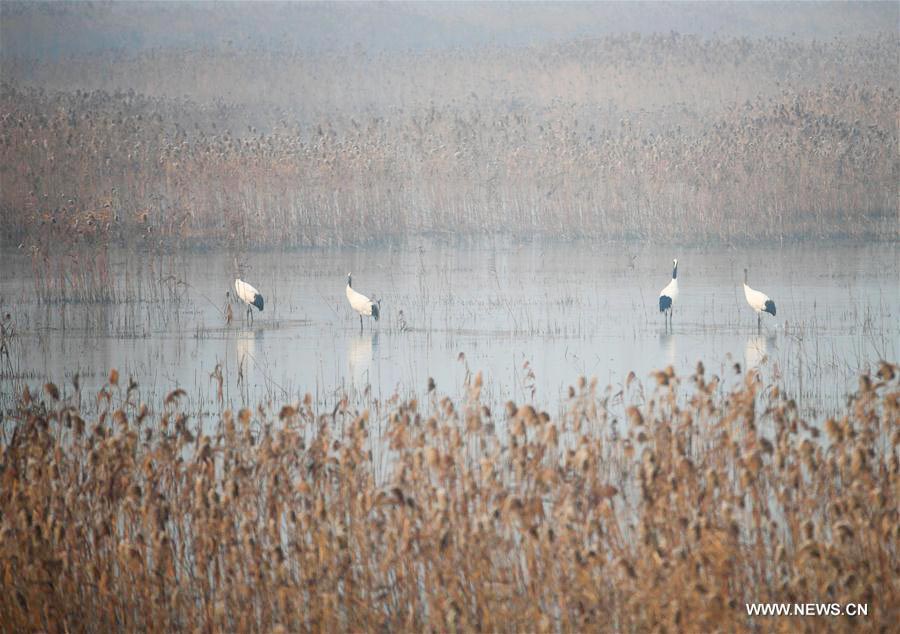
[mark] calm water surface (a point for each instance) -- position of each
(532, 318)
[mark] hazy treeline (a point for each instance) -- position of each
(655, 137)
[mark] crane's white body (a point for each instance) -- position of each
(669, 295)
(758, 301)
(248, 295)
(360, 303)
(670, 290)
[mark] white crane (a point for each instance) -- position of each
(249, 296)
(669, 294)
(758, 301)
(360, 303)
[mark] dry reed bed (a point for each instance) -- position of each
(657, 138)
(450, 518)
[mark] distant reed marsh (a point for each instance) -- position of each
(654, 138)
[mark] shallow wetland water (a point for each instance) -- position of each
(532, 318)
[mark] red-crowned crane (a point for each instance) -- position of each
(249, 296)
(669, 294)
(360, 303)
(758, 301)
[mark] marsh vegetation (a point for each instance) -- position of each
(350, 520)
(645, 136)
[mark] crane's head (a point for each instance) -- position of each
(349, 279)
(675, 268)
(745, 276)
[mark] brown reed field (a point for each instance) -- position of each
(443, 516)
(645, 137)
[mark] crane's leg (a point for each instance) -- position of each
(758, 322)
(360, 324)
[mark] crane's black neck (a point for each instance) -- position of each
(675, 271)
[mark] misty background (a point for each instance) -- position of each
(294, 124)
(54, 30)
